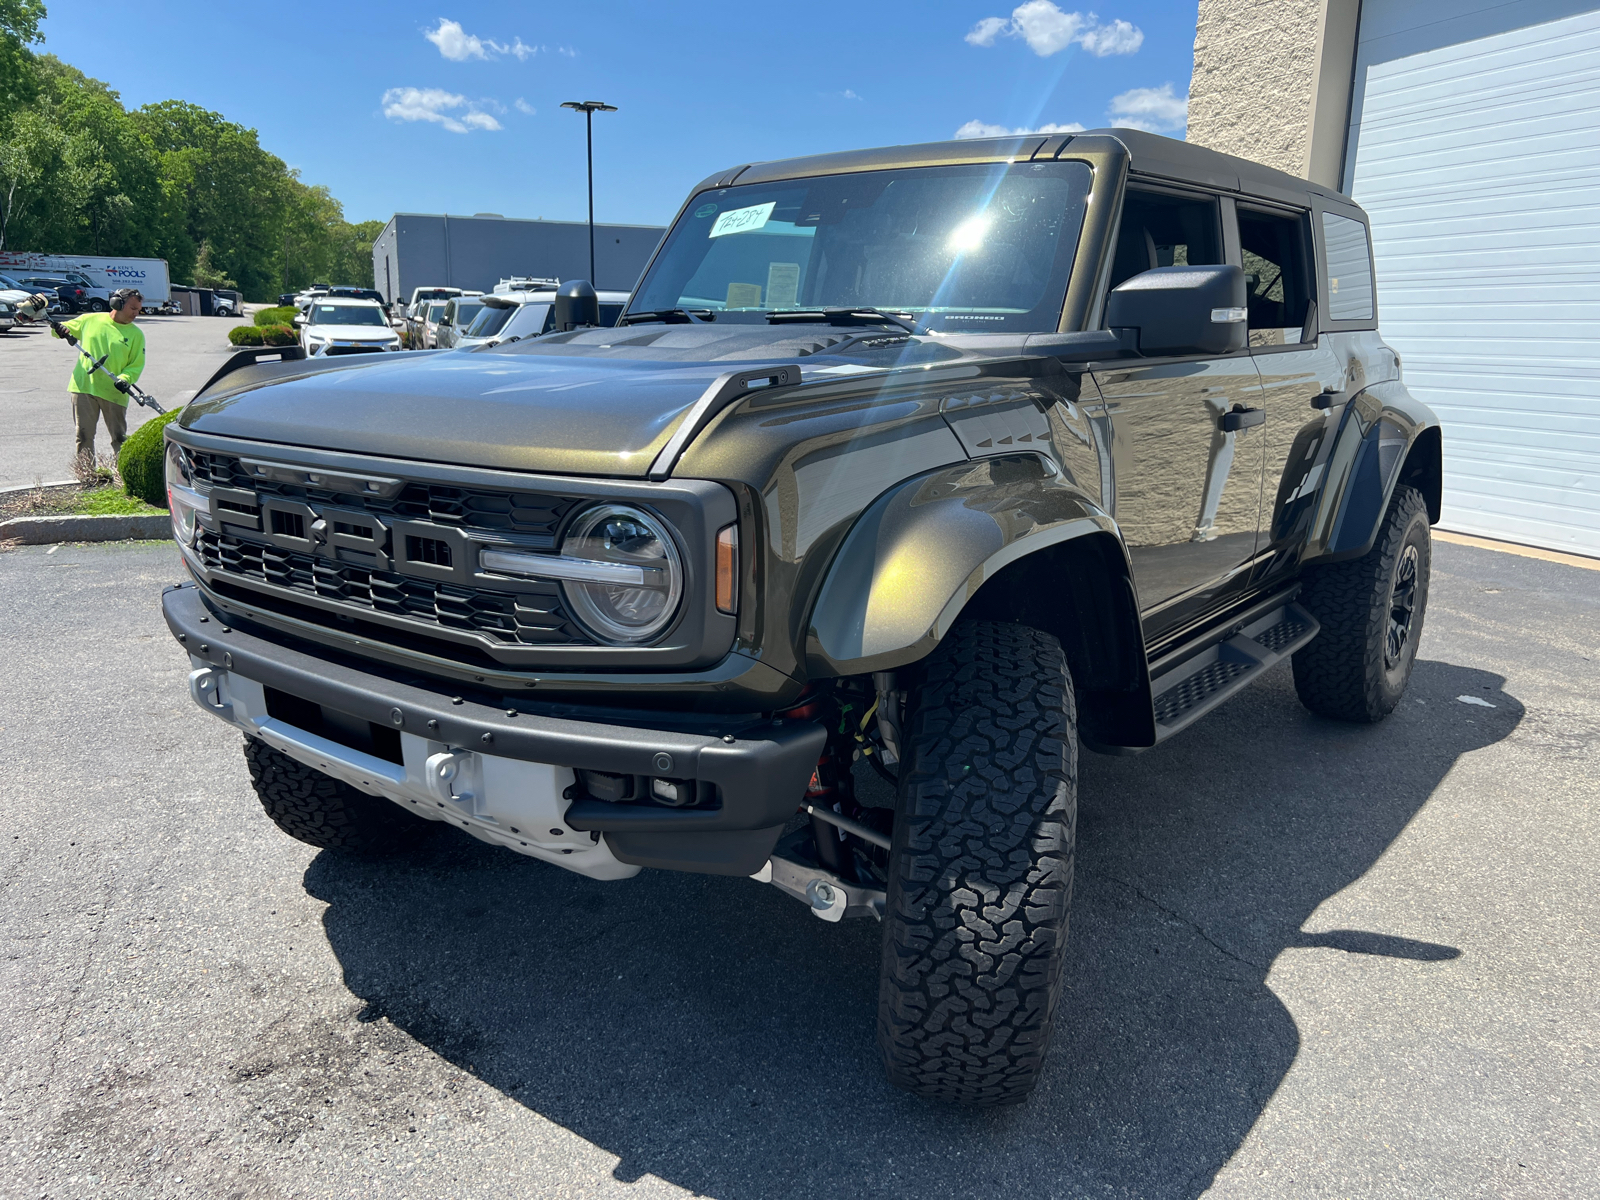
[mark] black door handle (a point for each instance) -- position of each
(1242, 418)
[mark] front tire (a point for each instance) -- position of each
(1371, 611)
(980, 874)
(328, 813)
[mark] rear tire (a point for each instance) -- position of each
(1371, 611)
(980, 874)
(328, 813)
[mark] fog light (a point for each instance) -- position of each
(676, 792)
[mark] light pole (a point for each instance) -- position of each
(588, 108)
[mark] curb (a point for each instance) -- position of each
(40, 531)
(31, 487)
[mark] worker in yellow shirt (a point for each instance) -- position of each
(98, 395)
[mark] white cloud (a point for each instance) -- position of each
(1048, 30)
(456, 44)
(566, 52)
(522, 106)
(1158, 110)
(437, 106)
(986, 30)
(983, 129)
(1119, 37)
(849, 95)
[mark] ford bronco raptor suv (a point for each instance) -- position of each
(933, 461)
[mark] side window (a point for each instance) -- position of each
(1349, 268)
(1277, 282)
(1165, 231)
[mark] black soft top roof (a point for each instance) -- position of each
(1150, 155)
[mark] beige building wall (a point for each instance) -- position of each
(1271, 82)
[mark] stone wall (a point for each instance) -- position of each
(1272, 82)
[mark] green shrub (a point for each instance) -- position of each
(279, 335)
(245, 335)
(282, 315)
(142, 461)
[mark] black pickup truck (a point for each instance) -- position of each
(934, 461)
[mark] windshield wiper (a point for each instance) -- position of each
(838, 316)
(669, 316)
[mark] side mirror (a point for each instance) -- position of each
(576, 305)
(299, 318)
(1182, 310)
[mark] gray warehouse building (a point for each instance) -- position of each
(474, 253)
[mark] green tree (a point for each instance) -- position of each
(79, 173)
(19, 29)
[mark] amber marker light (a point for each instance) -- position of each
(728, 569)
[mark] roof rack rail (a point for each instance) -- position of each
(249, 357)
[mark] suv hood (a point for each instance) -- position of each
(595, 402)
(351, 333)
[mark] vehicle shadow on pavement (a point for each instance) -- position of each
(710, 1033)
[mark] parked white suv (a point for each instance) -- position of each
(512, 316)
(346, 327)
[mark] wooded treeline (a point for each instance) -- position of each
(81, 174)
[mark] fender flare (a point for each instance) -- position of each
(1386, 436)
(921, 551)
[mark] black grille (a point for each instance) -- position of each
(531, 515)
(532, 618)
(427, 550)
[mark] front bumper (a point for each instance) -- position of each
(759, 769)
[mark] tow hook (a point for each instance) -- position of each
(443, 770)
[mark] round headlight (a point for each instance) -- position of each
(182, 499)
(624, 614)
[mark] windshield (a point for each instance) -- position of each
(7, 281)
(974, 247)
(347, 314)
(490, 320)
(435, 311)
(465, 311)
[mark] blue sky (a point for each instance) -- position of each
(434, 108)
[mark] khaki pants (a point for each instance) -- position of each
(86, 413)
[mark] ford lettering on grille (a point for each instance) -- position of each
(399, 548)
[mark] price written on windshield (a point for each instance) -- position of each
(742, 220)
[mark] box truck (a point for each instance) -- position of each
(100, 275)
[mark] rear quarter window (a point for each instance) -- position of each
(1347, 261)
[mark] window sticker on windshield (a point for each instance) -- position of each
(705, 210)
(744, 295)
(742, 220)
(783, 285)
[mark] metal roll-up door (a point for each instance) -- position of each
(1475, 148)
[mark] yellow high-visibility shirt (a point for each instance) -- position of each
(123, 345)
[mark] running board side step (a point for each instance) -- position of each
(1188, 690)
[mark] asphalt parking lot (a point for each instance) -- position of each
(36, 439)
(1307, 959)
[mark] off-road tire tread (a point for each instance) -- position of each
(1339, 673)
(325, 812)
(981, 876)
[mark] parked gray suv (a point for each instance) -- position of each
(935, 462)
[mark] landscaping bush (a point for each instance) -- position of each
(142, 461)
(282, 315)
(278, 335)
(245, 335)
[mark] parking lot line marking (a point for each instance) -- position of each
(1556, 556)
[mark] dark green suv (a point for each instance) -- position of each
(926, 464)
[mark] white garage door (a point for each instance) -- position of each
(1479, 162)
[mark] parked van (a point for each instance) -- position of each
(100, 276)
